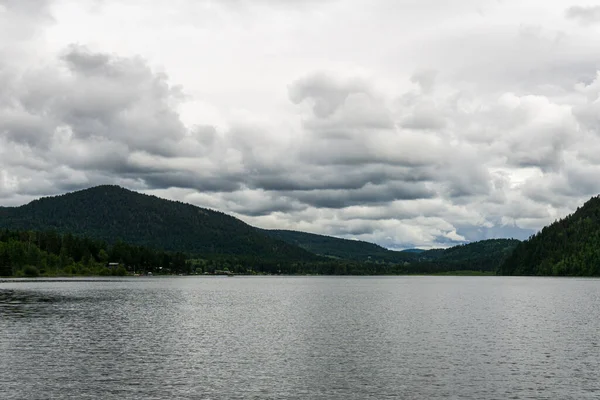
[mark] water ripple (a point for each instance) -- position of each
(305, 337)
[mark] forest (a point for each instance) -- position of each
(108, 230)
(79, 233)
(112, 213)
(48, 253)
(30, 253)
(567, 247)
(355, 250)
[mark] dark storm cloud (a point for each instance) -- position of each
(267, 203)
(463, 187)
(320, 178)
(336, 177)
(585, 15)
(353, 231)
(189, 180)
(546, 157)
(356, 153)
(266, 209)
(369, 194)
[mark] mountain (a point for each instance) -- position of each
(416, 251)
(345, 249)
(568, 247)
(112, 213)
(117, 215)
(484, 255)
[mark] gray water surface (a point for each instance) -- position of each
(301, 337)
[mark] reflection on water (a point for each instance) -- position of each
(277, 337)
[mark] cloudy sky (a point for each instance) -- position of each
(402, 122)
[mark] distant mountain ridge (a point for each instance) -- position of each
(329, 246)
(484, 255)
(570, 246)
(111, 213)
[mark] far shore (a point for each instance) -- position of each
(100, 278)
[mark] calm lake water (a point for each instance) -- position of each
(301, 337)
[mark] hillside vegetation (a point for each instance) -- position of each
(50, 254)
(147, 232)
(110, 213)
(485, 255)
(338, 248)
(568, 247)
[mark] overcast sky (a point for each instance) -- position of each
(408, 123)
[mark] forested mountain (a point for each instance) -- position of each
(31, 253)
(346, 249)
(568, 247)
(146, 232)
(485, 255)
(415, 251)
(110, 213)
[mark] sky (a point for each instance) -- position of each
(407, 123)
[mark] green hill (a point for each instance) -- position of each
(415, 251)
(110, 213)
(338, 248)
(568, 247)
(116, 215)
(485, 255)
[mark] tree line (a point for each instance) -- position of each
(49, 253)
(31, 253)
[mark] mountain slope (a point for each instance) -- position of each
(484, 255)
(570, 246)
(345, 249)
(110, 213)
(414, 251)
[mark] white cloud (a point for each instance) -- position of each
(288, 116)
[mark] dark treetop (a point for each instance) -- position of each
(570, 246)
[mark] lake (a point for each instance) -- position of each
(301, 337)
